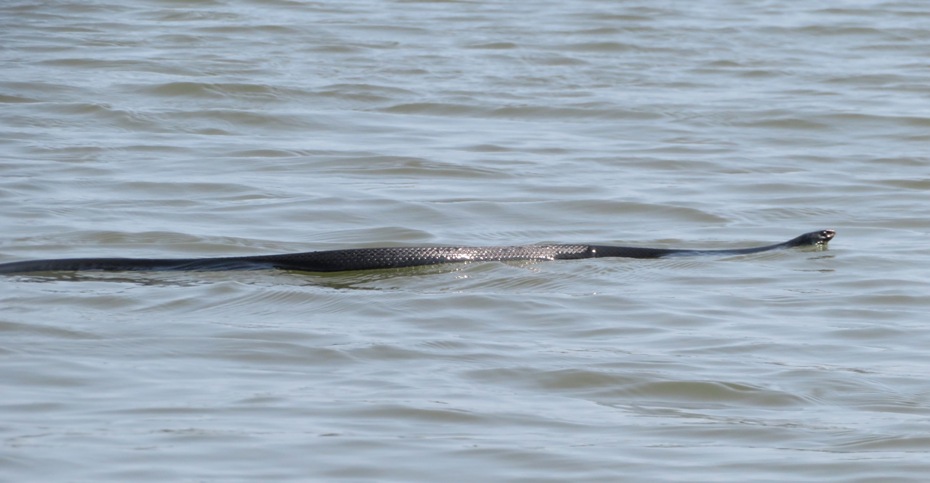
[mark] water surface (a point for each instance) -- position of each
(220, 128)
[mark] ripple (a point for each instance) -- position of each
(212, 128)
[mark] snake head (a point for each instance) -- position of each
(814, 238)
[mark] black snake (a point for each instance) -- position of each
(393, 257)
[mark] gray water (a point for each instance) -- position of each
(224, 127)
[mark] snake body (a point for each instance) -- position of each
(392, 257)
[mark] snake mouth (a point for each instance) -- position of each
(827, 235)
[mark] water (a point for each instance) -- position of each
(216, 128)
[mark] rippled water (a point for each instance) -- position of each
(215, 128)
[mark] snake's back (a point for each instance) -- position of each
(398, 257)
